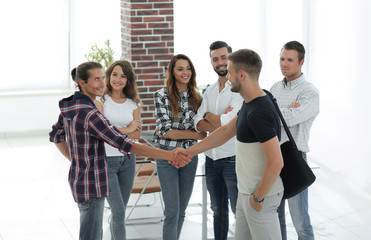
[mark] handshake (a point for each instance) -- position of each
(180, 157)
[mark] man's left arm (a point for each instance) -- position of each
(201, 125)
(236, 104)
(228, 115)
(306, 107)
(273, 167)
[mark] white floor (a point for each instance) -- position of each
(36, 202)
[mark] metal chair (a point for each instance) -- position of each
(145, 182)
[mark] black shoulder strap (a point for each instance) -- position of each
(274, 100)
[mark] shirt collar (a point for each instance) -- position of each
(294, 83)
(227, 83)
(77, 95)
(183, 94)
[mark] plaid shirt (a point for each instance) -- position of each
(85, 129)
(299, 120)
(165, 121)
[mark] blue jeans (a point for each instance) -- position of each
(298, 206)
(221, 183)
(176, 187)
(91, 219)
(121, 171)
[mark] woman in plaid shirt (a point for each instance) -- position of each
(175, 108)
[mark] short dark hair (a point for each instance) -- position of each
(82, 71)
(247, 60)
(220, 44)
(297, 46)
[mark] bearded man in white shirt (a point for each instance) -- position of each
(219, 106)
(298, 100)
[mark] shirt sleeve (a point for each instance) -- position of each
(100, 127)
(163, 120)
(57, 134)
(201, 111)
(236, 103)
(309, 108)
(262, 125)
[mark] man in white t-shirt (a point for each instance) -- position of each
(219, 106)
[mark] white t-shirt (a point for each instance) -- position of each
(120, 115)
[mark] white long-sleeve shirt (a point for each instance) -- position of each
(299, 120)
(216, 102)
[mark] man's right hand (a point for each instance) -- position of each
(295, 105)
(179, 159)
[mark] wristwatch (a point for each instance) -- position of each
(257, 200)
(205, 114)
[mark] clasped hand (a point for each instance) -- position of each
(180, 158)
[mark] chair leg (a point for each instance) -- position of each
(140, 195)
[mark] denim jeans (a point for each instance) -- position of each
(91, 219)
(298, 206)
(176, 187)
(121, 172)
(221, 183)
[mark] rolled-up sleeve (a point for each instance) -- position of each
(100, 126)
(57, 134)
(200, 112)
(236, 103)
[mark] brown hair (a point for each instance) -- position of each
(297, 46)
(247, 60)
(131, 89)
(194, 96)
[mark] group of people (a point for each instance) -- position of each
(98, 125)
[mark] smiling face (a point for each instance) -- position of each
(290, 65)
(182, 73)
(95, 85)
(219, 61)
(118, 79)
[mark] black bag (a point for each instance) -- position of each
(296, 175)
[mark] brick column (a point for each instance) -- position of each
(147, 36)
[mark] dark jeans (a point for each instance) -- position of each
(221, 183)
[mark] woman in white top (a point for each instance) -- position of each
(121, 106)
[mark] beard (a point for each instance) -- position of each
(221, 73)
(236, 86)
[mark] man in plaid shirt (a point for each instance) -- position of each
(80, 134)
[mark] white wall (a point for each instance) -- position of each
(337, 38)
(93, 21)
(339, 62)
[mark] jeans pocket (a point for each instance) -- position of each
(231, 160)
(83, 206)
